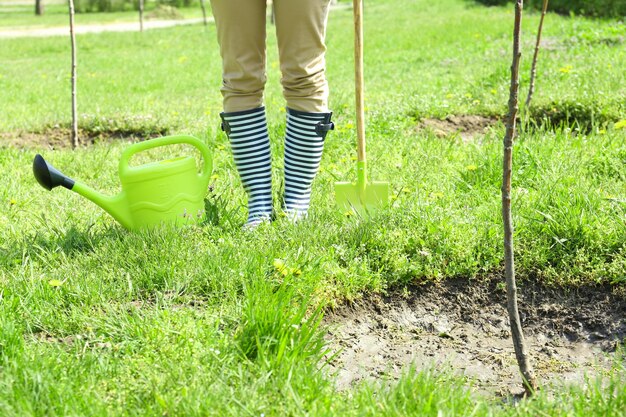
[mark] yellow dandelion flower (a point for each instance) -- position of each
(280, 267)
(471, 167)
(620, 125)
(55, 283)
(349, 213)
(12, 202)
(566, 69)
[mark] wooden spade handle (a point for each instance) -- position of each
(358, 79)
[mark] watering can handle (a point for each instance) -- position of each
(166, 141)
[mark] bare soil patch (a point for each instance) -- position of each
(467, 127)
(59, 138)
(464, 325)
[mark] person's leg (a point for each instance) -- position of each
(241, 35)
(304, 144)
(301, 29)
(250, 144)
(301, 32)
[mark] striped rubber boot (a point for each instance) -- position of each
(304, 143)
(249, 141)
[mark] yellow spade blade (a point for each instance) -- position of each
(362, 200)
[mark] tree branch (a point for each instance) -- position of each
(533, 71)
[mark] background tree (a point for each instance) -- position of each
(203, 12)
(38, 7)
(141, 15)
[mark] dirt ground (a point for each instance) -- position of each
(464, 325)
(59, 138)
(466, 126)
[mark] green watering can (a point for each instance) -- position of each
(164, 192)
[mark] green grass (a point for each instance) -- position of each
(201, 322)
(20, 16)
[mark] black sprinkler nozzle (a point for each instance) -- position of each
(48, 176)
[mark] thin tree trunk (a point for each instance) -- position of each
(533, 71)
(140, 15)
(521, 352)
(39, 7)
(203, 12)
(74, 133)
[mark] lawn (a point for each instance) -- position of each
(95, 320)
(19, 15)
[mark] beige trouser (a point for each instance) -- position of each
(300, 29)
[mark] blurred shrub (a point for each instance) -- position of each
(165, 12)
(176, 3)
(576, 115)
(93, 6)
(594, 8)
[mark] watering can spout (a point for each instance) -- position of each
(116, 206)
(49, 177)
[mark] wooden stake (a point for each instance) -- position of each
(521, 352)
(74, 133)
(533, 71)
(359, 83)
